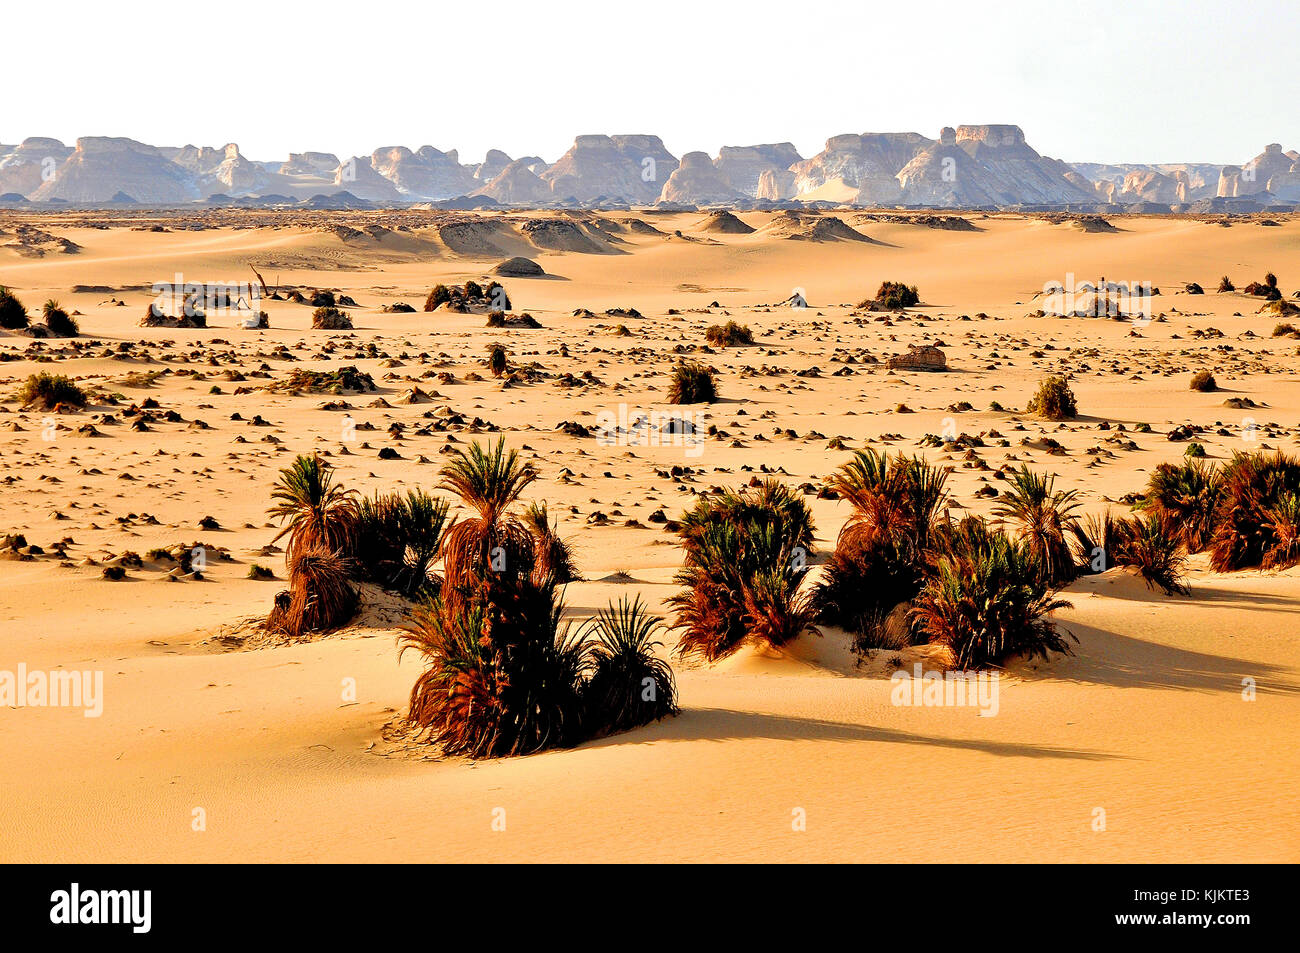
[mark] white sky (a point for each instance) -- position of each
(1088, 80)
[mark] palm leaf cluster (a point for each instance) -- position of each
(1145, 544)
(1256, 518)
(503, 674)
(397, 541)
(747, 553)
(885, 550)
(904, 572)
(986, 601)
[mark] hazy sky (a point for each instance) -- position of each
(1088, 80)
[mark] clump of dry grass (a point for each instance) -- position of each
(692, 384)
(730, 334)
(47, 391)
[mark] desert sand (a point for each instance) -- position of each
(1146, 720)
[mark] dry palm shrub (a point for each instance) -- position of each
(1254, 522)
(884, 550)
(397, 542)
(503, 675)
(554, 554)
(1185, 498)
(318, 514)
(747, 553)
(1042, 516)
(987, 602)
(320, 596)
(629, 684)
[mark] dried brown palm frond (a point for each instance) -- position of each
(320, 596)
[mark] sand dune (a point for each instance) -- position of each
(1146, 720)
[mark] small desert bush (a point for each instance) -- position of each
(13, 316)
(322, 299)
(692, 384)
(47, 391)
(629, 685)
(1158, 556)
(1204, 381)
(730, 334)
(1054, 400)
(1142, 543)
(440, 294)
(328, 314)
(60, 323)
(320, 596)
(747, 553)
(1254, 523)
(1225, 284)
(893, 296)
(989, 603)
(1042, 516)
(1285, 330)
(1267, 289)
(497, 359)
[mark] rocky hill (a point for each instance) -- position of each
(974, 166)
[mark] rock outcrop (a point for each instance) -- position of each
(858, 168)
(1016, 174)
(630, 169)
(517, 184)
(102, 170)
(743, 166)
(1254, 176)
(697, 181)
(23, 167)
(492, 165)
(426, 173)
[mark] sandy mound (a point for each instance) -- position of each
(641, 227)
(471, 237)
(379, 610)
(794, 226)
(723, 222)
(519, 267)
(558, 235)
